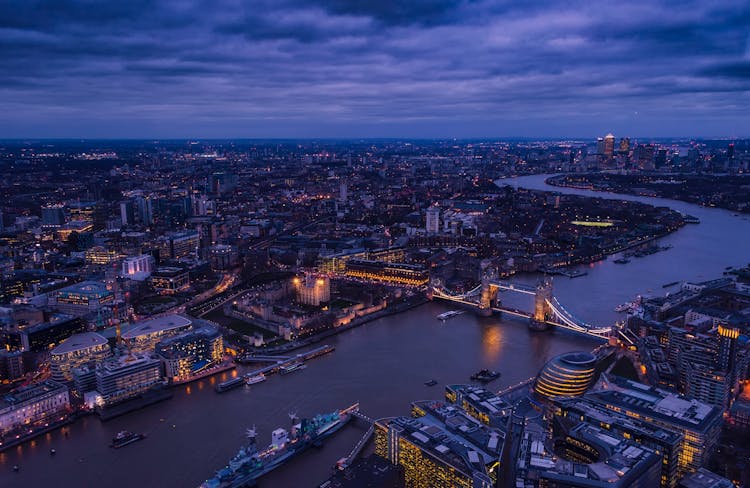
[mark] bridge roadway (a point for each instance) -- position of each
(560, 316)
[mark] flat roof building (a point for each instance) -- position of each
(698, 422)
(33, 405)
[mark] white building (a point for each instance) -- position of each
(121, 378)
(138, 267)
(33, 405)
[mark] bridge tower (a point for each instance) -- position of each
(489, 292)
(542, 309)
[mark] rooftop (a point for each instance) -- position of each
(157, 324)
(87, 287)
(655, 402)
(79, 341)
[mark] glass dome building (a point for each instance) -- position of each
(569, 374)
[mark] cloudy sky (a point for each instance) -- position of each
(374, 68)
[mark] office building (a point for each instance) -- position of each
(11, 365)
(82, 298)
(432, 220)
(609, 146)
(697, 422)
(178, 245)
(127, 213)
(143, 336)
(101, 255)
(170, 279)
(57, 328)
(569, 412)
(585, 457)
(53, 216)
(222, 257)
(569, 374)
(442, 446)
(77, 350)
(188, 354)
(124, 377)
(480, 403)
(145, 208)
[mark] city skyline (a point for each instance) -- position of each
(372, 69)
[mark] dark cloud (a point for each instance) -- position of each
(358, 68)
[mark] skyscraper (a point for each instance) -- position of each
(609, 145)
(432, 224)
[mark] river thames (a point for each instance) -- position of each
(383, 365)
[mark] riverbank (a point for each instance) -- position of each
(359, 321)
(712, 191)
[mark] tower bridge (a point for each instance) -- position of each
(547, 312)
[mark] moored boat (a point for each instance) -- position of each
(124, 437)
(230, 384)
(251, 462)
(251, 379)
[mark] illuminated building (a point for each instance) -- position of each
(170, 279)
(124, 377)
(644, 156)
(77, 226)
(33, 405)
(432, 220)
(727, 346)
(609, 145)
(84, 297)
(42, 336)
(709, 366)
(667, 443)
(82, 211)
(569, 374)
(336, 263)
(100, 255)
(138, 267)
(76, 351)
(481, 404)
(144, 336)
(697, 422)
(585, 457)
(393, 273)
(443, 446)
(312, 290)
(185, 355)
(178, 245)
(625, 145)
